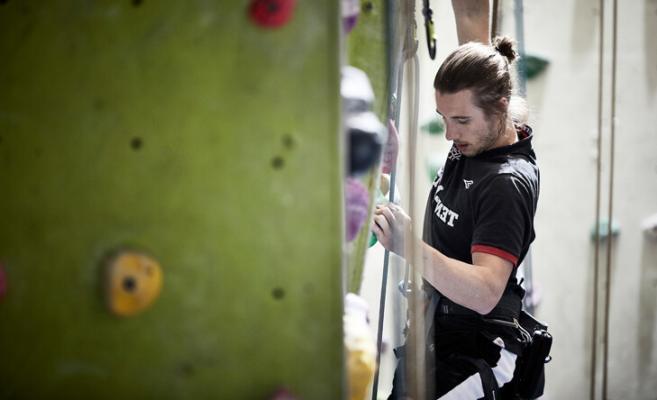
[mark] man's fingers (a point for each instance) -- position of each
(378, 210)
(375, 225)
(377, 230)
(382, 222)
(381, 229)
(387, 212)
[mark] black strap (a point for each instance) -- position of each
(430, 314)
(488, 381)
(507, 309)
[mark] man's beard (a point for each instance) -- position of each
(494, 130)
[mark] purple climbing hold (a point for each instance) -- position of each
(356, 206)
(282, 394)
(350, 11)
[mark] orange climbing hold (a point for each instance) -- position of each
(134, 282)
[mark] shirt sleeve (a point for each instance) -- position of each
(503, 223)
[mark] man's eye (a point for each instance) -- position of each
(463, 121)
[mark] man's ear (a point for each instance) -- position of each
(503, 104)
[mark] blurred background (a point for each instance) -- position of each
(591, 179)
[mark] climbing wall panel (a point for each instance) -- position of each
(367, 50)
(185, 131)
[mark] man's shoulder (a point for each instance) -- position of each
(518, 165)
(510, 175)
(502, 165)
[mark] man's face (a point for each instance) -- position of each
(466, 124)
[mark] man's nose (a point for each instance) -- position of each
(450, 133)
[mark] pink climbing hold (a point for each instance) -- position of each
(271, 13)
(391, 148)
(3, 281)
(356, 206)
(282, 394)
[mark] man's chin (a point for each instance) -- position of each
(469, 151)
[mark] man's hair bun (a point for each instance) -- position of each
(506, 47)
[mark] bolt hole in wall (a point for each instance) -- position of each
(186, 370)
(136, 143)
(135, 3)
(278, 293)
(277, 162)
(3, 2)
(99, 104)
(288, 142)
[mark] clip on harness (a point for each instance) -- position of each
(506, 313)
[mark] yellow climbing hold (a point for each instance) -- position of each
(360, 346)
(134, 281)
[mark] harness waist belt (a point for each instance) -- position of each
(507, 309)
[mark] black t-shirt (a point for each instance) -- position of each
(485, 203)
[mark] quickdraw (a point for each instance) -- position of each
(429, 28)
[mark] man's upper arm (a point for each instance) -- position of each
(496, 269)
(504, 219)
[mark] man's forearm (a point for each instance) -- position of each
(469, 285)
(472, 20)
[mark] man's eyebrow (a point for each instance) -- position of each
(455, 116)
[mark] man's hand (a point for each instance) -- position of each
(391, 225)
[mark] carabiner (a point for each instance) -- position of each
(429, 29)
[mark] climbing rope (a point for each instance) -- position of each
(598, 212)
(605, 354)
(416, 340)
(596, 257)
(409, 51)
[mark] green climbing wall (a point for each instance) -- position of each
(366, 50)
(183, 129)
(375, 46)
